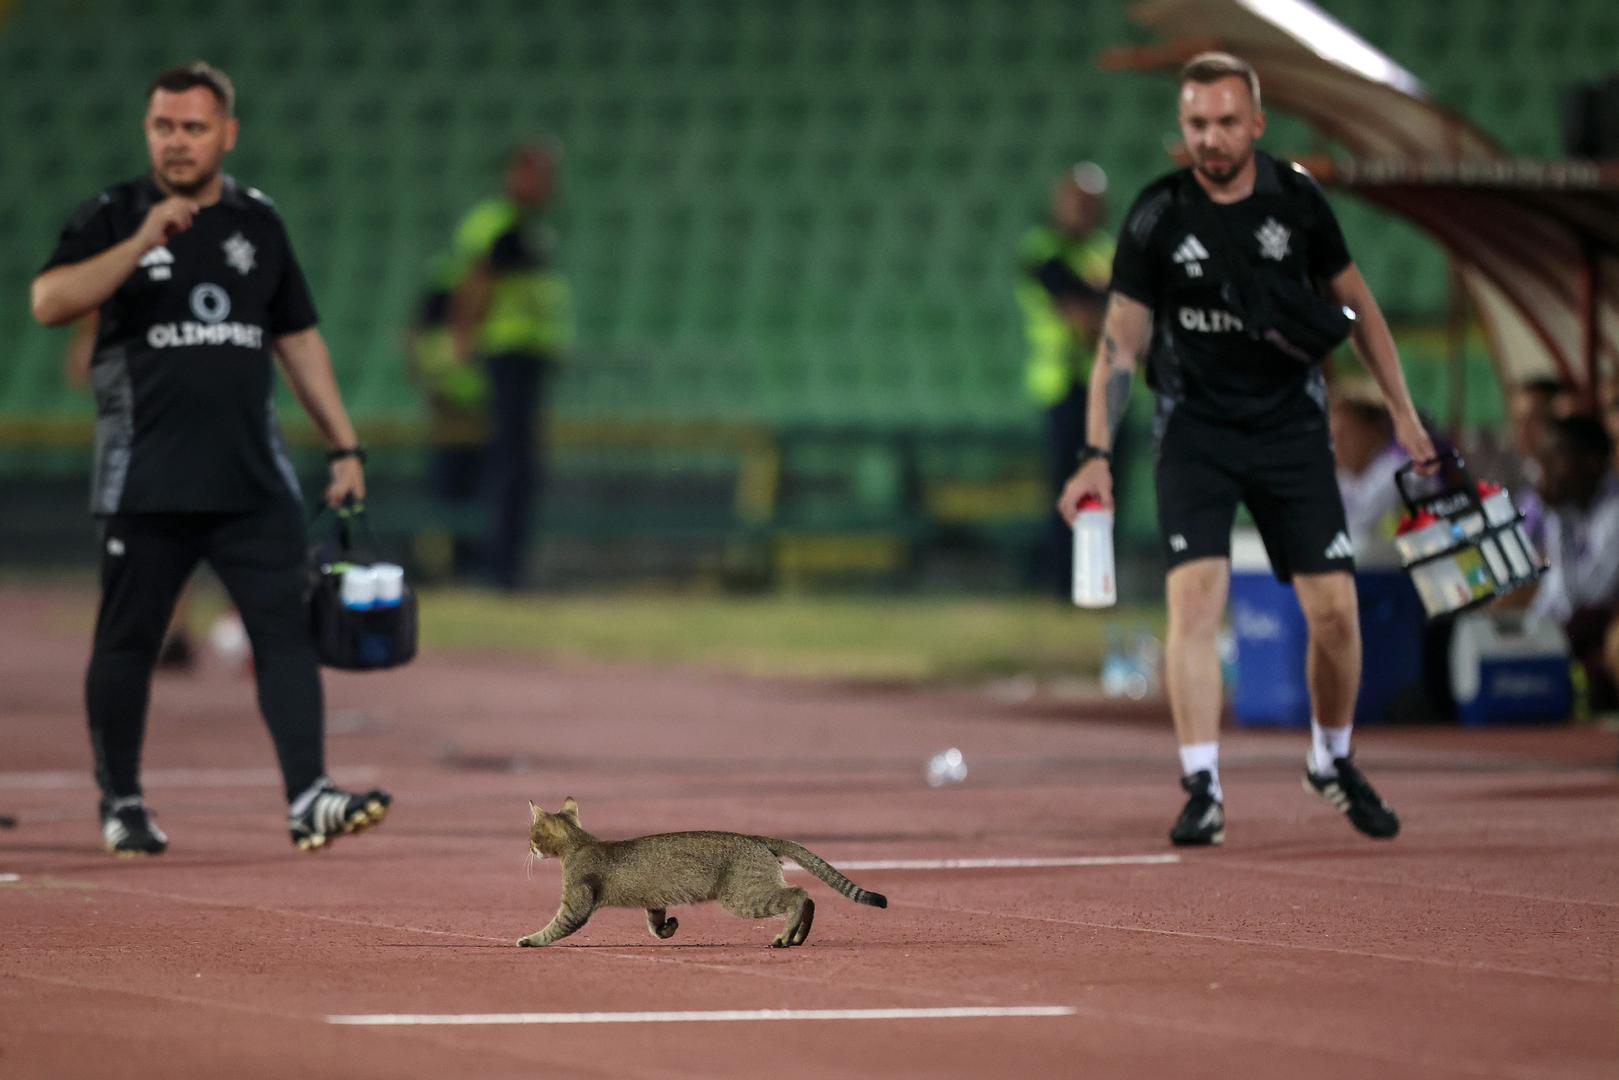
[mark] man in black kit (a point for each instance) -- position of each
(193, 284)
(1241, 416)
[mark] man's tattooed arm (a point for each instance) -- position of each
(1125, 331)
(1117, 393)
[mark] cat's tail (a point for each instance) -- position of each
(824, 870)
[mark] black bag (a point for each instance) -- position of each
(1288, 314)
(347, 638)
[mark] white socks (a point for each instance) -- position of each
(1196, 757)
(1326, 744)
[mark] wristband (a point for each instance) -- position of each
(357, 451)
(1089, 453)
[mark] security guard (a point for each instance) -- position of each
(511, 312)
(458, 405)
(194, 285)
(1062, 287)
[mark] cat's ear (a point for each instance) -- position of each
(534, 812)
(570, 809)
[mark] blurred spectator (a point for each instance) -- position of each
(457, 404)
(1366, 454)
(1534, 404)
(1062, 289)
(510, 312)
(1581, 590)
(1608, 402)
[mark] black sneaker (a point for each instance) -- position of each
(127, 828)
(1202, 821)
(1350, 792)
(334, 812)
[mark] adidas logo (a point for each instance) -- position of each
(1341, 547)
(1177, 542)
(158, 263)
(1191, 254)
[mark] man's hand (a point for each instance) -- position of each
(1092, 478)
(169, 217)
(348, 480)
(1415, 441)
(71, 291)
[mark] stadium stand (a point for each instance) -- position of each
(795, 214)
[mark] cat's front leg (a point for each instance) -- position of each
(578, 903)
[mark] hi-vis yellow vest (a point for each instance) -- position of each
(530, 307)
(1058, 357)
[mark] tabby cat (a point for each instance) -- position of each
(656, 872)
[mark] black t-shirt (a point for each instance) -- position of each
(1201, 360)
(182, 367)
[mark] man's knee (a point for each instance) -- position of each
(1330, 609)
(1196, 594)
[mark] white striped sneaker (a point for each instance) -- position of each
(329, 812)
(1353, 795)
(128, 828)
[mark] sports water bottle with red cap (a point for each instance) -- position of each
(1094, 584)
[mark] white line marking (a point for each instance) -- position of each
(1429, 961)
(1002, 864)
(712, 1016)
(64, 780)
(6, 879)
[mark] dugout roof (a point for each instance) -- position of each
(1535, 244)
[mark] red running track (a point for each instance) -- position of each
(1481, 943)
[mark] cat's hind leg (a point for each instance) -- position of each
(798, 926)
(661, 925)
(788, 900)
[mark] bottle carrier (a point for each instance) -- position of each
(1461, 541)
(362, 615)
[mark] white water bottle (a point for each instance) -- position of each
(390, 583)
(359, 588)
(1094, 584)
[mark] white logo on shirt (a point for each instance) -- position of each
(1191, 254)
(210, 303)
(1341, 547)
(1177, 542)
(1209, 320)
(115, 546)
(159, 263)
(239, 253)
(1272, 237)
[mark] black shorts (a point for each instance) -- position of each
(1284, 476)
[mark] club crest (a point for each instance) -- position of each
(1272, 237)
(239, 253)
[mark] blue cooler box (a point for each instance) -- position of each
(1271, 637)
(1507, 669)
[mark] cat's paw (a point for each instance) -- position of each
(667, 930)
(780, 941)
(529, 942)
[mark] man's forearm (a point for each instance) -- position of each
(1372, 341)
(65, 293)
(1109, 397)
(308, 365)
(1374, 344)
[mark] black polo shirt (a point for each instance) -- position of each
(1202, 360)
(182, 367)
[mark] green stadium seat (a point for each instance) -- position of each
(828, 195)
